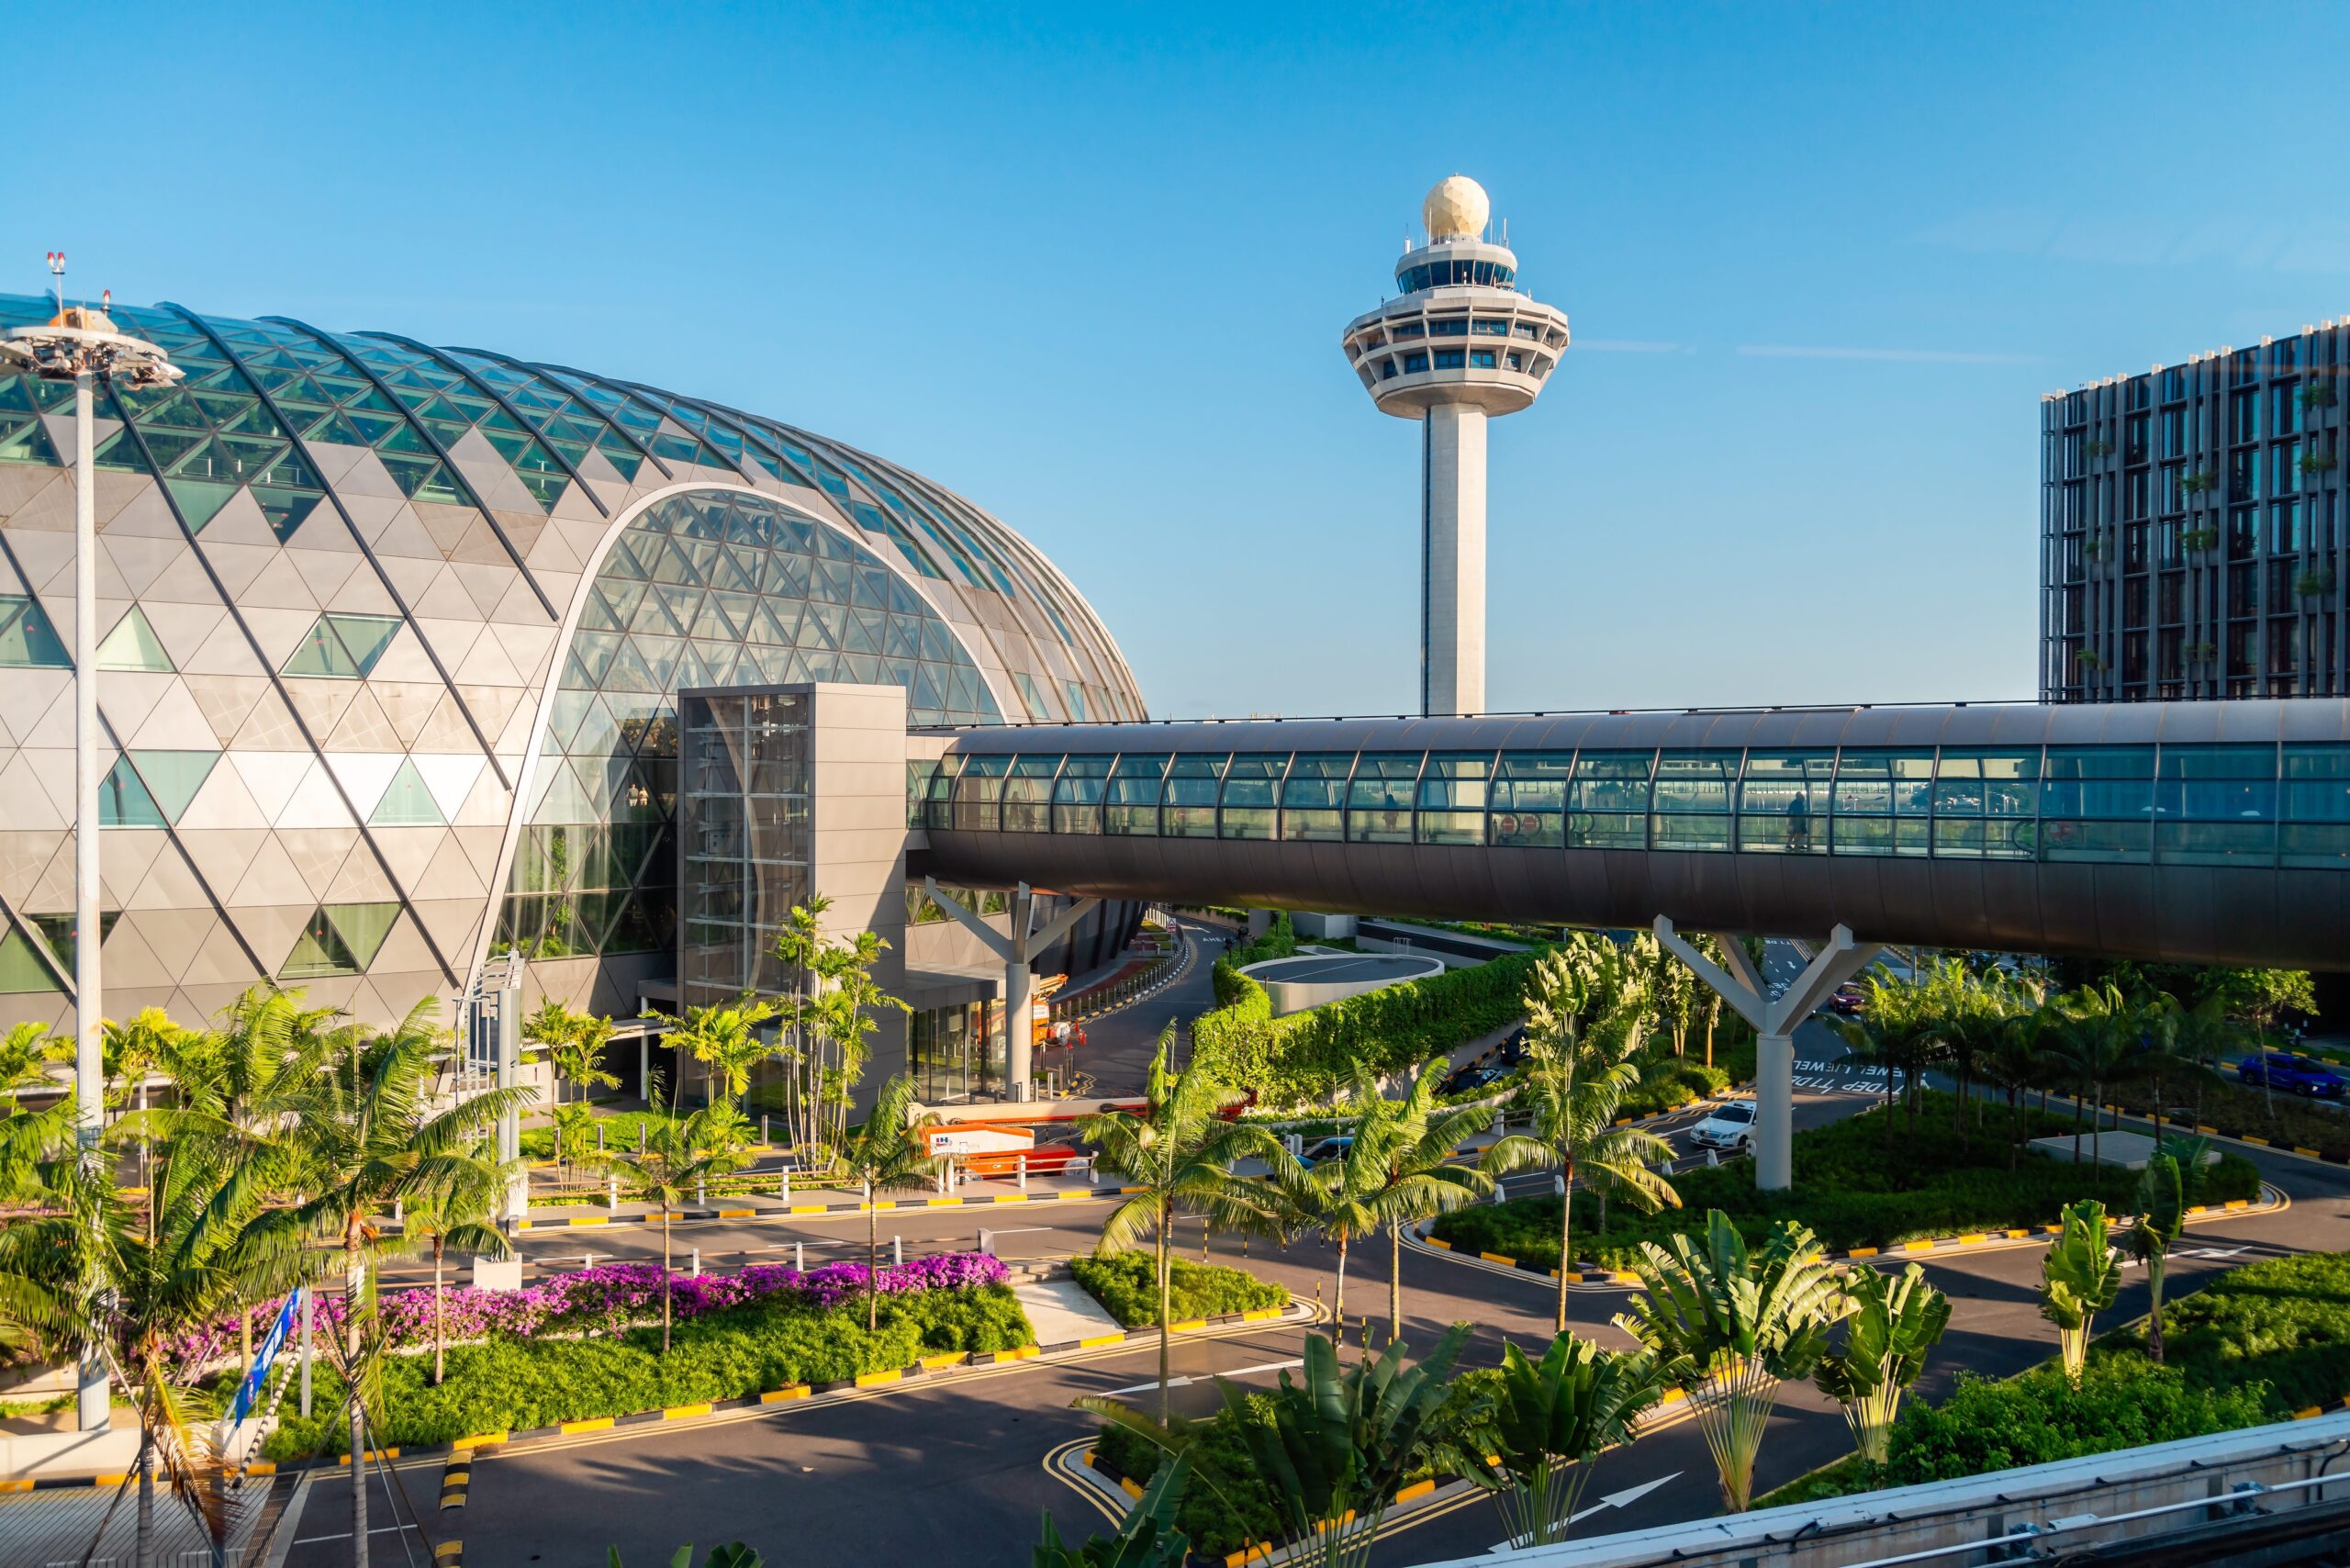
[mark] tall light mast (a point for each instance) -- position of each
(1459, 345)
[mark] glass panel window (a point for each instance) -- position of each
(1131, 805)
(2316, 805)
(977, 790)
(1379, 801)
(1691, 800)
(28, 641)
(1189, 808)
(1076, 794)
(1529, 799)
(1313, 794)
(2216, 805)
(1983, 803)
(938, 802)
(343, 647)
(1783, 801)
(1608, 801)
(1452, 794)
(2098, 804)
(1882, 801)
(1251, 786)
(1028, 793)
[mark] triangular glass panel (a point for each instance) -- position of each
(627, 671)
(827, 625)
(674, 567)
(864, 632)
(596, 735)
(412, 475)
(284, 508)
(337, 427)
(711, 622)
(595, 651)
(319, 952)
(363, 927)
(547, 489)
(21, 971)
(133, 644)
(28, 641)
(660, 658)
(408, 804)
(199, 500)
(173, 778)
(168, 446)
(123, 800)
(666, 612)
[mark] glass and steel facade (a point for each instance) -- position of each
(2276, 804)
(392, 639)
(2193, 539)
(745, 825)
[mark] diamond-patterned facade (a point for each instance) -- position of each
(389, 627)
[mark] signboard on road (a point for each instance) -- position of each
(263, 1353)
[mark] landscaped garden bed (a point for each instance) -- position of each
(1126, 1286)
(1852, 1186)
(2257, 1344)
(579, 1347)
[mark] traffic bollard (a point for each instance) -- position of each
(600, 1138)
(786, 1183)
(897, 1250)
(701, 1192)
(1023, 1173)
(697, 1262)
(763, 1129)
(799, 1257)
(640, 1138)
(612, 1191)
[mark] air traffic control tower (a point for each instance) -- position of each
(1459, 345)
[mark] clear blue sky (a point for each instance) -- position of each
(1088, 265)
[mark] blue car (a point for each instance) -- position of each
(2295, 1075)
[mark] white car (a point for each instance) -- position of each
(1728, 1125)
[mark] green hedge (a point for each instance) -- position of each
(504, 1384)
(1309, 1056)
(2254, 1346)
(1125, 1288)
(1851, 1186)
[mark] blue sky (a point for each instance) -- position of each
(1089, 266)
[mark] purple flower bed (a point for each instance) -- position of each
(611, 1295)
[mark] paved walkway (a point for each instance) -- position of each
(1061, 1311)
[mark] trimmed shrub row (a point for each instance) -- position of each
(1127, 1289)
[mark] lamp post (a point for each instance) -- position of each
(81, 345)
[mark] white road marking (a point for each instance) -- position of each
(1186, 1382)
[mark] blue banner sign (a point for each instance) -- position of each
(263, 1353)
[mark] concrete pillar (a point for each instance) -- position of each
(509, 1126)
(1774, 1111)
(1452, 560)
(1260, 922)
(1775, 1020)
(1019, 1033)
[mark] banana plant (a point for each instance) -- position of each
(1340, 1443)
(2080, 1276)
(1732, 1326)
(1550, 1421)
(1147, 1537)
(2162, 1216)
(1892, 1325)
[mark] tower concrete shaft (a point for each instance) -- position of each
(1459, 346)
(1452, 559)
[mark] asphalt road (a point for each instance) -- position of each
(953, 1470)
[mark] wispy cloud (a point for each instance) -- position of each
(1629, 345)
(1890, 356)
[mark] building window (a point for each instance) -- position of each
(343, 647)
(1414, 363)
(1484, 359)
(1448, 359)
(28, 641)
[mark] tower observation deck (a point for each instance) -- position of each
(1457, 346)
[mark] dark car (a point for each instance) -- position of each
(1848, 1002)
(2295, 1075)
(1476, 1077)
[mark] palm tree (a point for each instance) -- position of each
(2017, 1059)
(1550, 1422)
(2162, 1219)
(679, 1156)
(2079, 1278)
(1743, 1323)
(1178, 1154)
(889, 1153)
(1340, 1444)
(1573, 1086)
(1339, 1197)
(1891, 1326)
(2097, 1045)
(92, 1274)
(25, 1051)
(1418, 1178)
(367, 1141)
(575, 1043)
(724, 1038)
(457, 1214)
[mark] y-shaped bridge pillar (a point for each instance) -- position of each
(1018, 950)
(1775, 1020)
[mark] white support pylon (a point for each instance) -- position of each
(1019, 949)
(1775, 1020)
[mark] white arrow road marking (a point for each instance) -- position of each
(2215, 1252)
(1624, 1499)
(1186, 1382)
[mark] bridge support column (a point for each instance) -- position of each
(1775, 1021)
(1019, 949)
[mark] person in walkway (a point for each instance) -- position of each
(1799, 822)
